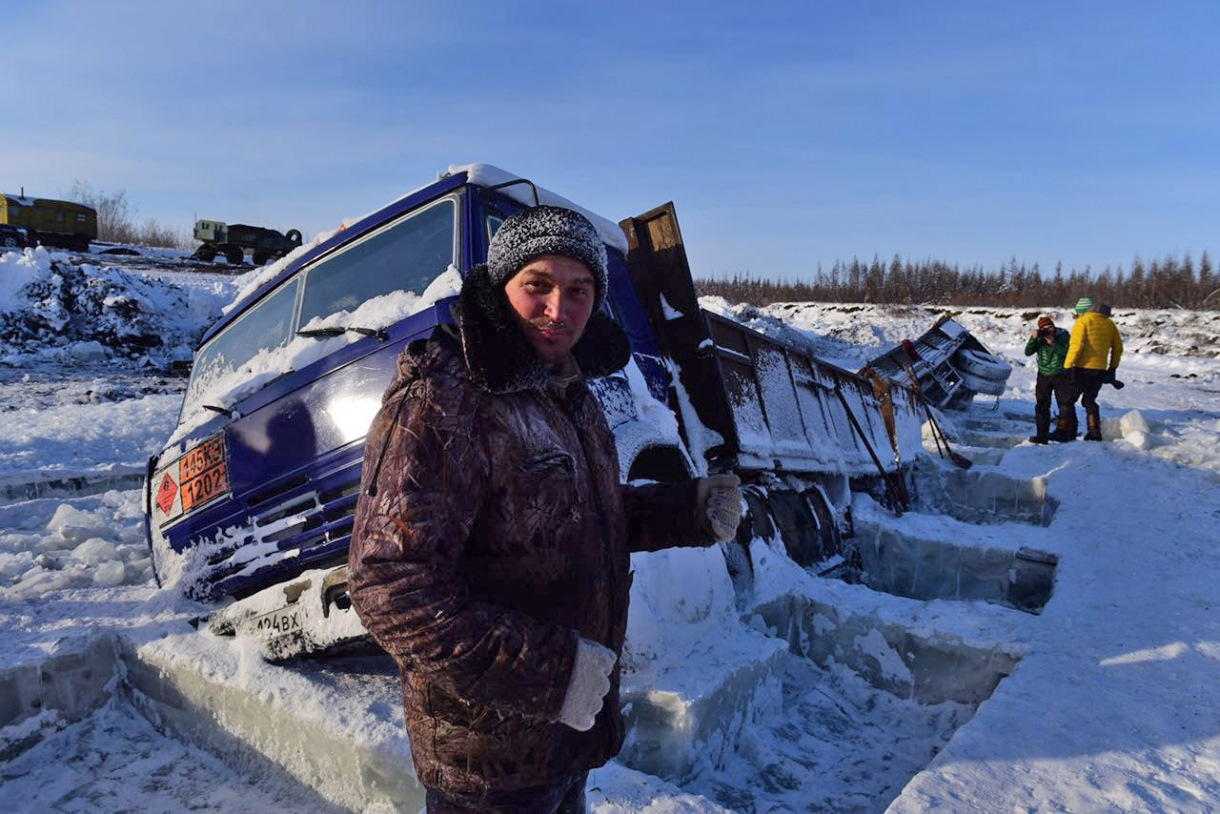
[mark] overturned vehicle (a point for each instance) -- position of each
(253, 497)
(946, 364)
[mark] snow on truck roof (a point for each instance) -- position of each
(485, 175)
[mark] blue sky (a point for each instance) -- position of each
(787, 134)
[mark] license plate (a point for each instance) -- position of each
(277, 623)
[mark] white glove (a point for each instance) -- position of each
(588, 685)
(720, 499)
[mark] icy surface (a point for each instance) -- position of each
(1112, 707)
(117, 761)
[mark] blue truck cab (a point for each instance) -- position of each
(259, 481)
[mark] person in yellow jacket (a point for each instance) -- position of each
(1093, 355)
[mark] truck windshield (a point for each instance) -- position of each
(377, 277)
(405, 257)
(264, 327)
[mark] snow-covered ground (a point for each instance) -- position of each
(1108, 703)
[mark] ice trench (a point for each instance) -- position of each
(850, 688)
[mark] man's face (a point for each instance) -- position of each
(552, 296)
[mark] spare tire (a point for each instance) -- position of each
(294, 236)
(981, 371)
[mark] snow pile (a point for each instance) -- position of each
(56, 311)
(682, 607)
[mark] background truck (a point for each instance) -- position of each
(254, 494)
(63, 224)
(233, 240)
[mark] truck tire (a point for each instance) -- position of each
(261, 257)
(205, 254)
(294, 236)
(9, 242)
(661, 464)
(981, 365)
(235, 255)
(830, 539)
(796, 526)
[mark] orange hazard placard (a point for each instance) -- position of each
(203, 474)
(166, 493)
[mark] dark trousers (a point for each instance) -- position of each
(565, 797)
(1088, 384)
(1059, 385)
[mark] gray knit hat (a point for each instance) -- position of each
(547, 230)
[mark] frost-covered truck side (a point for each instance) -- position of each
(254, 494)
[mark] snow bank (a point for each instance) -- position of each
(56, 311)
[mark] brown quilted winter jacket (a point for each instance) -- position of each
(497, 535)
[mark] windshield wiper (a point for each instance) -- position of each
(338, 330)
(224, 411)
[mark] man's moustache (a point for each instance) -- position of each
(548, 325)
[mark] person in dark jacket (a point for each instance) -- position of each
(1051, 346)
(490, 554)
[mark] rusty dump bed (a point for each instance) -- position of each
(769, 406)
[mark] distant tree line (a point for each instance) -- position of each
(116, 219)
(1167, 283)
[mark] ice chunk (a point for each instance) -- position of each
(109, 573)
(95, 550)
(1134, 422)
(75, 525)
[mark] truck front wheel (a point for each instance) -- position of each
(235, 255)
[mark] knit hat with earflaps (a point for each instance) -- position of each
(547, 230)
(1084, 304)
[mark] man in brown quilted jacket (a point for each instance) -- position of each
(492, 539)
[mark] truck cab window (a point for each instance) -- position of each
(264, 327)
(405, 256)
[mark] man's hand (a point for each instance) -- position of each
(588, 685)
(719, 498)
